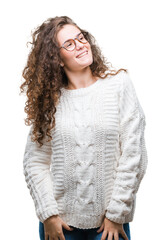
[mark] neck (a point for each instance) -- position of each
(80, 79)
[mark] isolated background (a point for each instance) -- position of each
(132, 34)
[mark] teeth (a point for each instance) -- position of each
(82, 54)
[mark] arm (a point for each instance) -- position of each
(132, 162)
(36, 168)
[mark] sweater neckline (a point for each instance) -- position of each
(80, 91)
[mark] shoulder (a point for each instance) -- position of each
(124, 81)
(118, 81)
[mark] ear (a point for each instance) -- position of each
(62, 64)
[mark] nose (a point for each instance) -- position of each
(78, 44)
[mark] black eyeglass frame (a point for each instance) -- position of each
(84, 33)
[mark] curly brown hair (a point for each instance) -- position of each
(44, 76)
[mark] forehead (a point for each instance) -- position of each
(67, 32)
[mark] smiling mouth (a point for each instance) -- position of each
(83, 54)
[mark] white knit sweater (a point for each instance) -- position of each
(97, 158)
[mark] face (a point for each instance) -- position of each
(70, 59)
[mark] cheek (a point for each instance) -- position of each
(89, 48)
(66, 56)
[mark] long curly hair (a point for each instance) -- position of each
(44, 76)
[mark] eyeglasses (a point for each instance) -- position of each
(70, 44)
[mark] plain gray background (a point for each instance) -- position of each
(132, 34)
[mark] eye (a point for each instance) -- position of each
(68, 44)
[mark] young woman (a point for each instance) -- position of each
(85, 154)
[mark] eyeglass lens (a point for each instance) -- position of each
(70, 44)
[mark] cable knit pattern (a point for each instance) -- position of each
(97, 158)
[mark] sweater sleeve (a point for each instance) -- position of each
(36, 168)
(132, 162)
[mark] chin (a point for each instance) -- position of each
(89, 62)
(86, 65)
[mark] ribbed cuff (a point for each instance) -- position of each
(112, 218)
(47, 213)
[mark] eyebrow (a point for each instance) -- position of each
(71, 38)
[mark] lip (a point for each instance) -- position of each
(81, 53)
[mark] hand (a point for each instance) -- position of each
(53, 228)
(112, 229)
